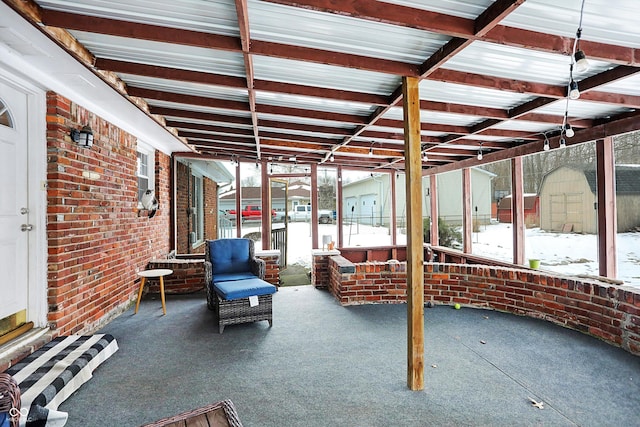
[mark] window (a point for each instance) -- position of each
(145, 169)
(197, 212)
(5, 118)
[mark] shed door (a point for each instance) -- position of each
(14, 210)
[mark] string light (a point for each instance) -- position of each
(563, 143)
(332, 158)
(546, 146)
(480, 152)
(425, 158)
(574, 92)
(568, 130)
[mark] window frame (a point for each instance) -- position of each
(197, 208)
(147, 150)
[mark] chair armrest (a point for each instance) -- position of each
(258, 267)
(208, 273)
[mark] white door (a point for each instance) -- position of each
(14, 210)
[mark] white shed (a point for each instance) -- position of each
(568, 199)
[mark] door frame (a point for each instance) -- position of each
(37, 307)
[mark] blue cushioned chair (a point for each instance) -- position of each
(235, 284)
(228, 260)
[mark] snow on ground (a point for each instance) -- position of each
(571, 254)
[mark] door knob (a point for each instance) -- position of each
(24, 211)
(26, 227)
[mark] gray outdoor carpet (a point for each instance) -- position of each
(322, 364)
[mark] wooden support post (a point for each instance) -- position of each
(314, 206)
(467, 215)
(517, 210)
(238, 202)
(433, 200)
(267, 219)
(339, 207)
(393, 226)
(415, 239)
(607, 209)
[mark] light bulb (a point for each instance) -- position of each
(480, 154)
(582, 64)
(563, 143)
(371, 151)
(425, 158)
(568, 130)
(546, 145)
(574, 92)
(332, 158)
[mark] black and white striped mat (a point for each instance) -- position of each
(50, 375)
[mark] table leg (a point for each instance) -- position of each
(139, 294)
(164, 308)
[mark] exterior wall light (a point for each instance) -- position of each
(82, 137)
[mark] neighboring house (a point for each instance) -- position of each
(298, 193)
(531, 210)
(369, 200)
(568, 199)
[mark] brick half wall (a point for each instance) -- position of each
(609, 312)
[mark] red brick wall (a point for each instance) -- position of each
(97, 239)
(187, 277)
(183, 206)
(183, 203)
(609, 312)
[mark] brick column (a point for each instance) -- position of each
(272, 260)
(320, 267)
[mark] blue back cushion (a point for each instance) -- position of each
(229, 256)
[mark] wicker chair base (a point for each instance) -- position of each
(231, 312)
(219, 414)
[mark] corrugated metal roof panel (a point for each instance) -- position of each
(527, 126)
(208, 122)
(395, 113)
(327, 31)
(187, 88)
(519, 64)
(301, 132)
(629, 86)
(604, 21)
(586, 109)
(163, 54)
(460, 94)
(304, 120)
(198, 108)
(211, 16)
(311, 103)
(321, 75)
(464, 8)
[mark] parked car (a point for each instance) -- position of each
(251, 212)
(303, 213)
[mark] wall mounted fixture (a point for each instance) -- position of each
(82, 137)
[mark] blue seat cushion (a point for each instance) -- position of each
(229, 255)
(229, 277)
(237, 289)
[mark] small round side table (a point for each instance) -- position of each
(161, 272)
